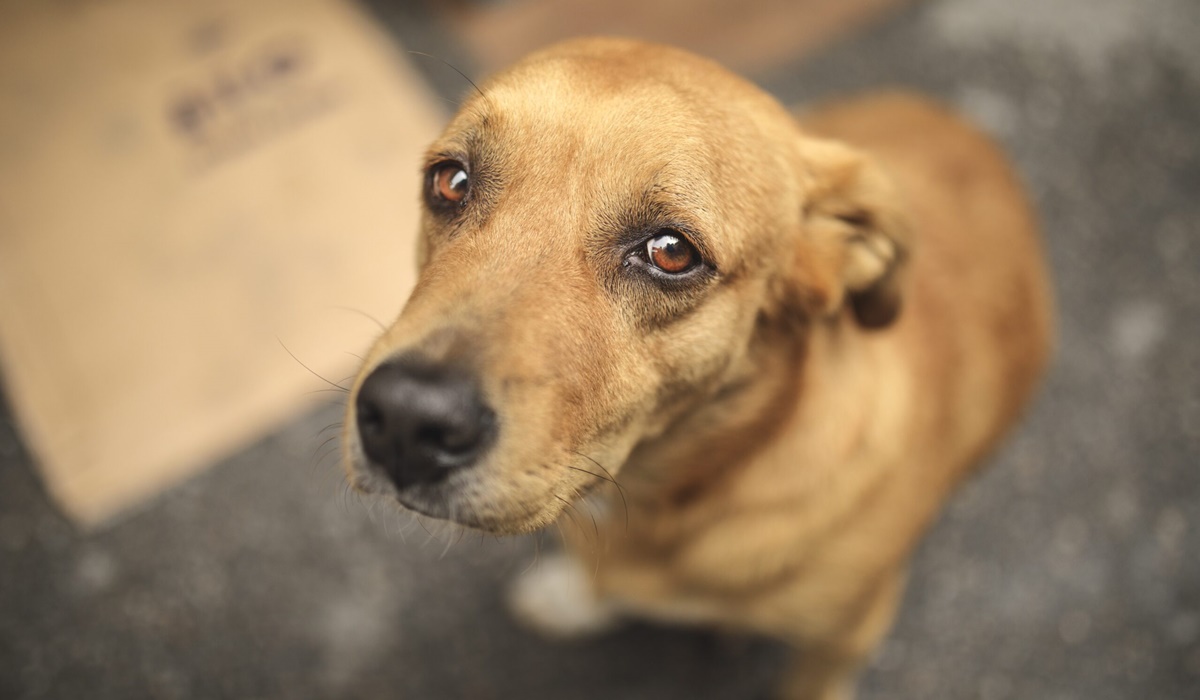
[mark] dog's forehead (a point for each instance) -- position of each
(569, 112)
(616, 125)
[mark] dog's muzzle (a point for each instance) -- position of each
(418, 421)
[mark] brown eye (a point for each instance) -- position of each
(450, 182)
(671, 253)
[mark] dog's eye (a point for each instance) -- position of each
(671, 253)
(449, 182)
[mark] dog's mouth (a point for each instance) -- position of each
(423, 501)
(473, 507)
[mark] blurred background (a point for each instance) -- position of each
(189, 192)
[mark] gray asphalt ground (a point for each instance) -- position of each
(1069, 569)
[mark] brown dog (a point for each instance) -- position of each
(637, 267)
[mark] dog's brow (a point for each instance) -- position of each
(673, 201)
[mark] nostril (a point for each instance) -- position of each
(443, 438)
(456, 437)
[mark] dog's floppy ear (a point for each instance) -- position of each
(854, 238)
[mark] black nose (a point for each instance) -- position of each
(419, 421)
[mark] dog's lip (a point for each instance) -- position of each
(433, 508)
(422, 504)
(440, 510)
(434, 501)
(418, 499)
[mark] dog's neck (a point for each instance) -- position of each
(791, 415)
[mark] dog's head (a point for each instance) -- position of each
(606, 229)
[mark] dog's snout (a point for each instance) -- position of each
(420, 421)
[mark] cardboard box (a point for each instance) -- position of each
(184, 187)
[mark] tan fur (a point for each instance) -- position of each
(783, 433)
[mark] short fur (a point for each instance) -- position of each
(784, 428)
